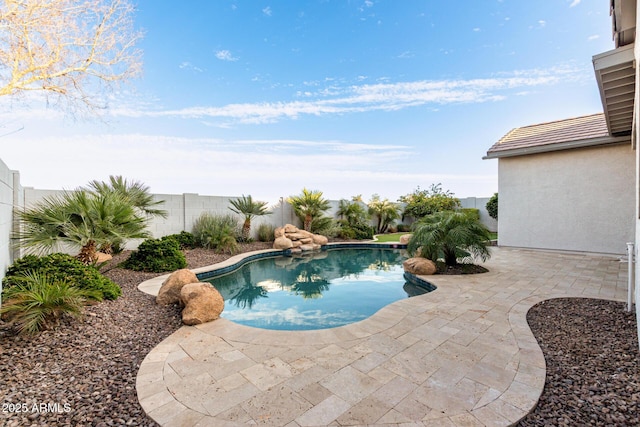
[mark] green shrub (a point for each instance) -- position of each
(63, 268)
(403, 228)
(474, 213)
(492, 206)
(156, 255)
(359, 231)
(184, 238)
(216, 232)
(38, 302)
(325, 226)
(265, 233)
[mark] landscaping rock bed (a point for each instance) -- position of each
(85, 371)
(593, 364)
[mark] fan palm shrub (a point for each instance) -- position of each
(82, 220)
(450, 235)
(249, 208)
(38, 302)
(135, 193)
(308, 205)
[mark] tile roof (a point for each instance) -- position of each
(551, 133)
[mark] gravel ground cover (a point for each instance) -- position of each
(84, 372)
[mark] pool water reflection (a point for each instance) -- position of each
(316, 291)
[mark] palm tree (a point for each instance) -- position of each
(352, 212)
(308, 205)
(450, 235)
(247, 207)
(385, 211)
(136, 192)
(80, 219)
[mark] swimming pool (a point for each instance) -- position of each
(320, 290)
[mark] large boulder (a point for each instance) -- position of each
(278, 232)
(282, 243)
(202, 303)
(420, 266)
(404, 239)
(319, 239)
(170, 290)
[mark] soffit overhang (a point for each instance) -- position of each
(616, 77)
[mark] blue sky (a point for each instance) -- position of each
(345, 97)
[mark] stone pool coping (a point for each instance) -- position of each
(461, 355)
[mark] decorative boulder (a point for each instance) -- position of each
(419, 266)
(319, 239)
(170, 290)
(282, 243)
(297, 238)
(278, 232)
(404, 239)
(202, 303)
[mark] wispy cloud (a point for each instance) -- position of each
(575, 3)
(225, 55)
(267, 11)
(593, 37)
(186, 65)
(360, 98)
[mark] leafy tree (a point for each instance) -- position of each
(421, 203)
(492, 206)
(80, 219)
(308, 205)
(68, 49)
(450, 235)
(249, 208)
(385, 211)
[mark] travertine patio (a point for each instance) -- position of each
(461, 355)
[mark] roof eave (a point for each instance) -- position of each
(615, 74)
(583, 143)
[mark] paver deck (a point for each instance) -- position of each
(462, 355)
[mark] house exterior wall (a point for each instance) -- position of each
(575, 200)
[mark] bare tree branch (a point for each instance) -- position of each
(72, 50)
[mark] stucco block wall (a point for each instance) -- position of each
(480, 203)
(576, 200)
(10, 195)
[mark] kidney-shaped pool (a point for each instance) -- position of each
(320, 290)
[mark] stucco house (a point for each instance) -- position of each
(573, 184)
(566, 185)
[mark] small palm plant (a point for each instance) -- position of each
(246, 206)
(309, 205)
(450, 235)
(38, 302)
(385, 211)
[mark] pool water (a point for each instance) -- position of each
(316, 291)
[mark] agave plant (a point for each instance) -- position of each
(249, 208)
(450, 235)
(38, 302)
